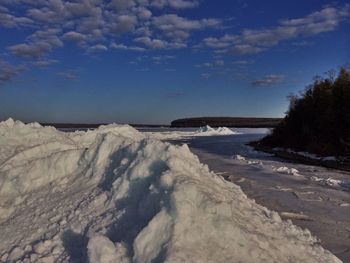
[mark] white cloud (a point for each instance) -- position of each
(94, 24)
(82, 8)
(8, 72)
(214, 64)
(219, 62)
(269, 80)
(74, 36)
(68, 75)
(163, 59)
(121, 5)
(38, 44)
(44, 15)
(243, 62)
(219, 43)
(152, 43)
(182, 4)
(159, 44)
(48, 35)
(30, 50)
(124, 47)
(255, 41)
(97, 48)
(178, 27)
(143, 13)
(205, 76)
(42, 63)
(123, 24)
(8, 20)
(245, 49)
(176, 4)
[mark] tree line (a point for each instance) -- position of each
(318, 120)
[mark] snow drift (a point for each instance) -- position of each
(114, 195)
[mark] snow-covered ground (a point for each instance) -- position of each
(313, 197)
(117, 195)
(328, 181)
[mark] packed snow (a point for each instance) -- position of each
(115, 195)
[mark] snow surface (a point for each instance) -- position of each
(115, 195)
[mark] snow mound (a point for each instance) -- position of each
(114, 195)
(32, 156)
(202, 131)
(209, 131)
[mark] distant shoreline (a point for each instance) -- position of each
(237, 122)
(234, 122)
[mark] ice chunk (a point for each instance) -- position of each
(245, 160)
(240, 157)
(15, 254)
(331, 182)
(286, 170)
(102, 250)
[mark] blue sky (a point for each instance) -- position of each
(144, 61)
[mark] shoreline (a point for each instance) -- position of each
(343, 165)
(232, 122)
